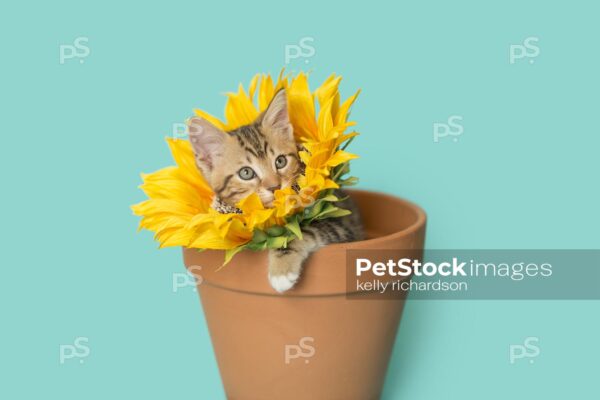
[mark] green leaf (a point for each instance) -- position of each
(315, 209)
(258, 236)
(327, 207)
(275, 231)
(340, 170)
(294, 226)
(257, 246)
(229, 253)
(350, 181)
(334, 212)
(330, 197)
(277, 242)
(340, 212)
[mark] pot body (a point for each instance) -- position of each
(315, 341)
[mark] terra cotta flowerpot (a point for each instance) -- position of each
(312, 342)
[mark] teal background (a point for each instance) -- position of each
(524, 174)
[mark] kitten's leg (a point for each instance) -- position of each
(285, 264)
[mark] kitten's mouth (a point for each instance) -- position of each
(267, 200)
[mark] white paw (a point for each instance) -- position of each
(281, 283)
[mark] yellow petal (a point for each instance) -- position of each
(239, 109)
(340, 157)
(344, 110)
(213, 120)
(265, 92)
(250, 203)
(325, 120)
(253, 84)
(302, 108)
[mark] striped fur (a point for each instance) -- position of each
(285, 265)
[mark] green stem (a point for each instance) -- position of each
(339, 171)
(347, 143)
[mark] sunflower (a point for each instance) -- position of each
(178, 209)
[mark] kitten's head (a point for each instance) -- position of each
(260, 157)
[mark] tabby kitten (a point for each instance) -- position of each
(262, 157)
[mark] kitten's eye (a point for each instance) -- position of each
(246, 173)
(280, 162)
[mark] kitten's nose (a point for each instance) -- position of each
(274, 188)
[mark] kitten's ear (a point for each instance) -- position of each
(208, 142)
(276, 118)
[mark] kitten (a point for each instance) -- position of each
(262, 157)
